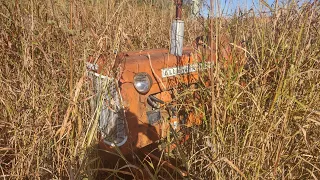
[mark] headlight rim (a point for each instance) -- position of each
(149, 80)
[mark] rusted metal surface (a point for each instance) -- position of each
(179, 9)
(142, 131)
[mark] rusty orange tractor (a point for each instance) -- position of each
(136, 96)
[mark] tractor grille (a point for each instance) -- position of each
(108, 105)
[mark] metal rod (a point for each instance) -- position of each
(179, 9)
(156, 99)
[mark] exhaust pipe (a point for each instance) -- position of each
(177, 31)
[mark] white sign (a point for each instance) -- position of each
(173, 71)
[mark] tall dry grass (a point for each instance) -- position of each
(44, 127)
(267, 129)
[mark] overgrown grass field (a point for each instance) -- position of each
(265, 118)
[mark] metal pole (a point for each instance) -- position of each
(177, 31)
(179, 9)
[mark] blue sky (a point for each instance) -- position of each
(229, 6)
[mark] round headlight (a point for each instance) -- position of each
(142, 82)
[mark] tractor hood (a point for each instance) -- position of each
(166, 70)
